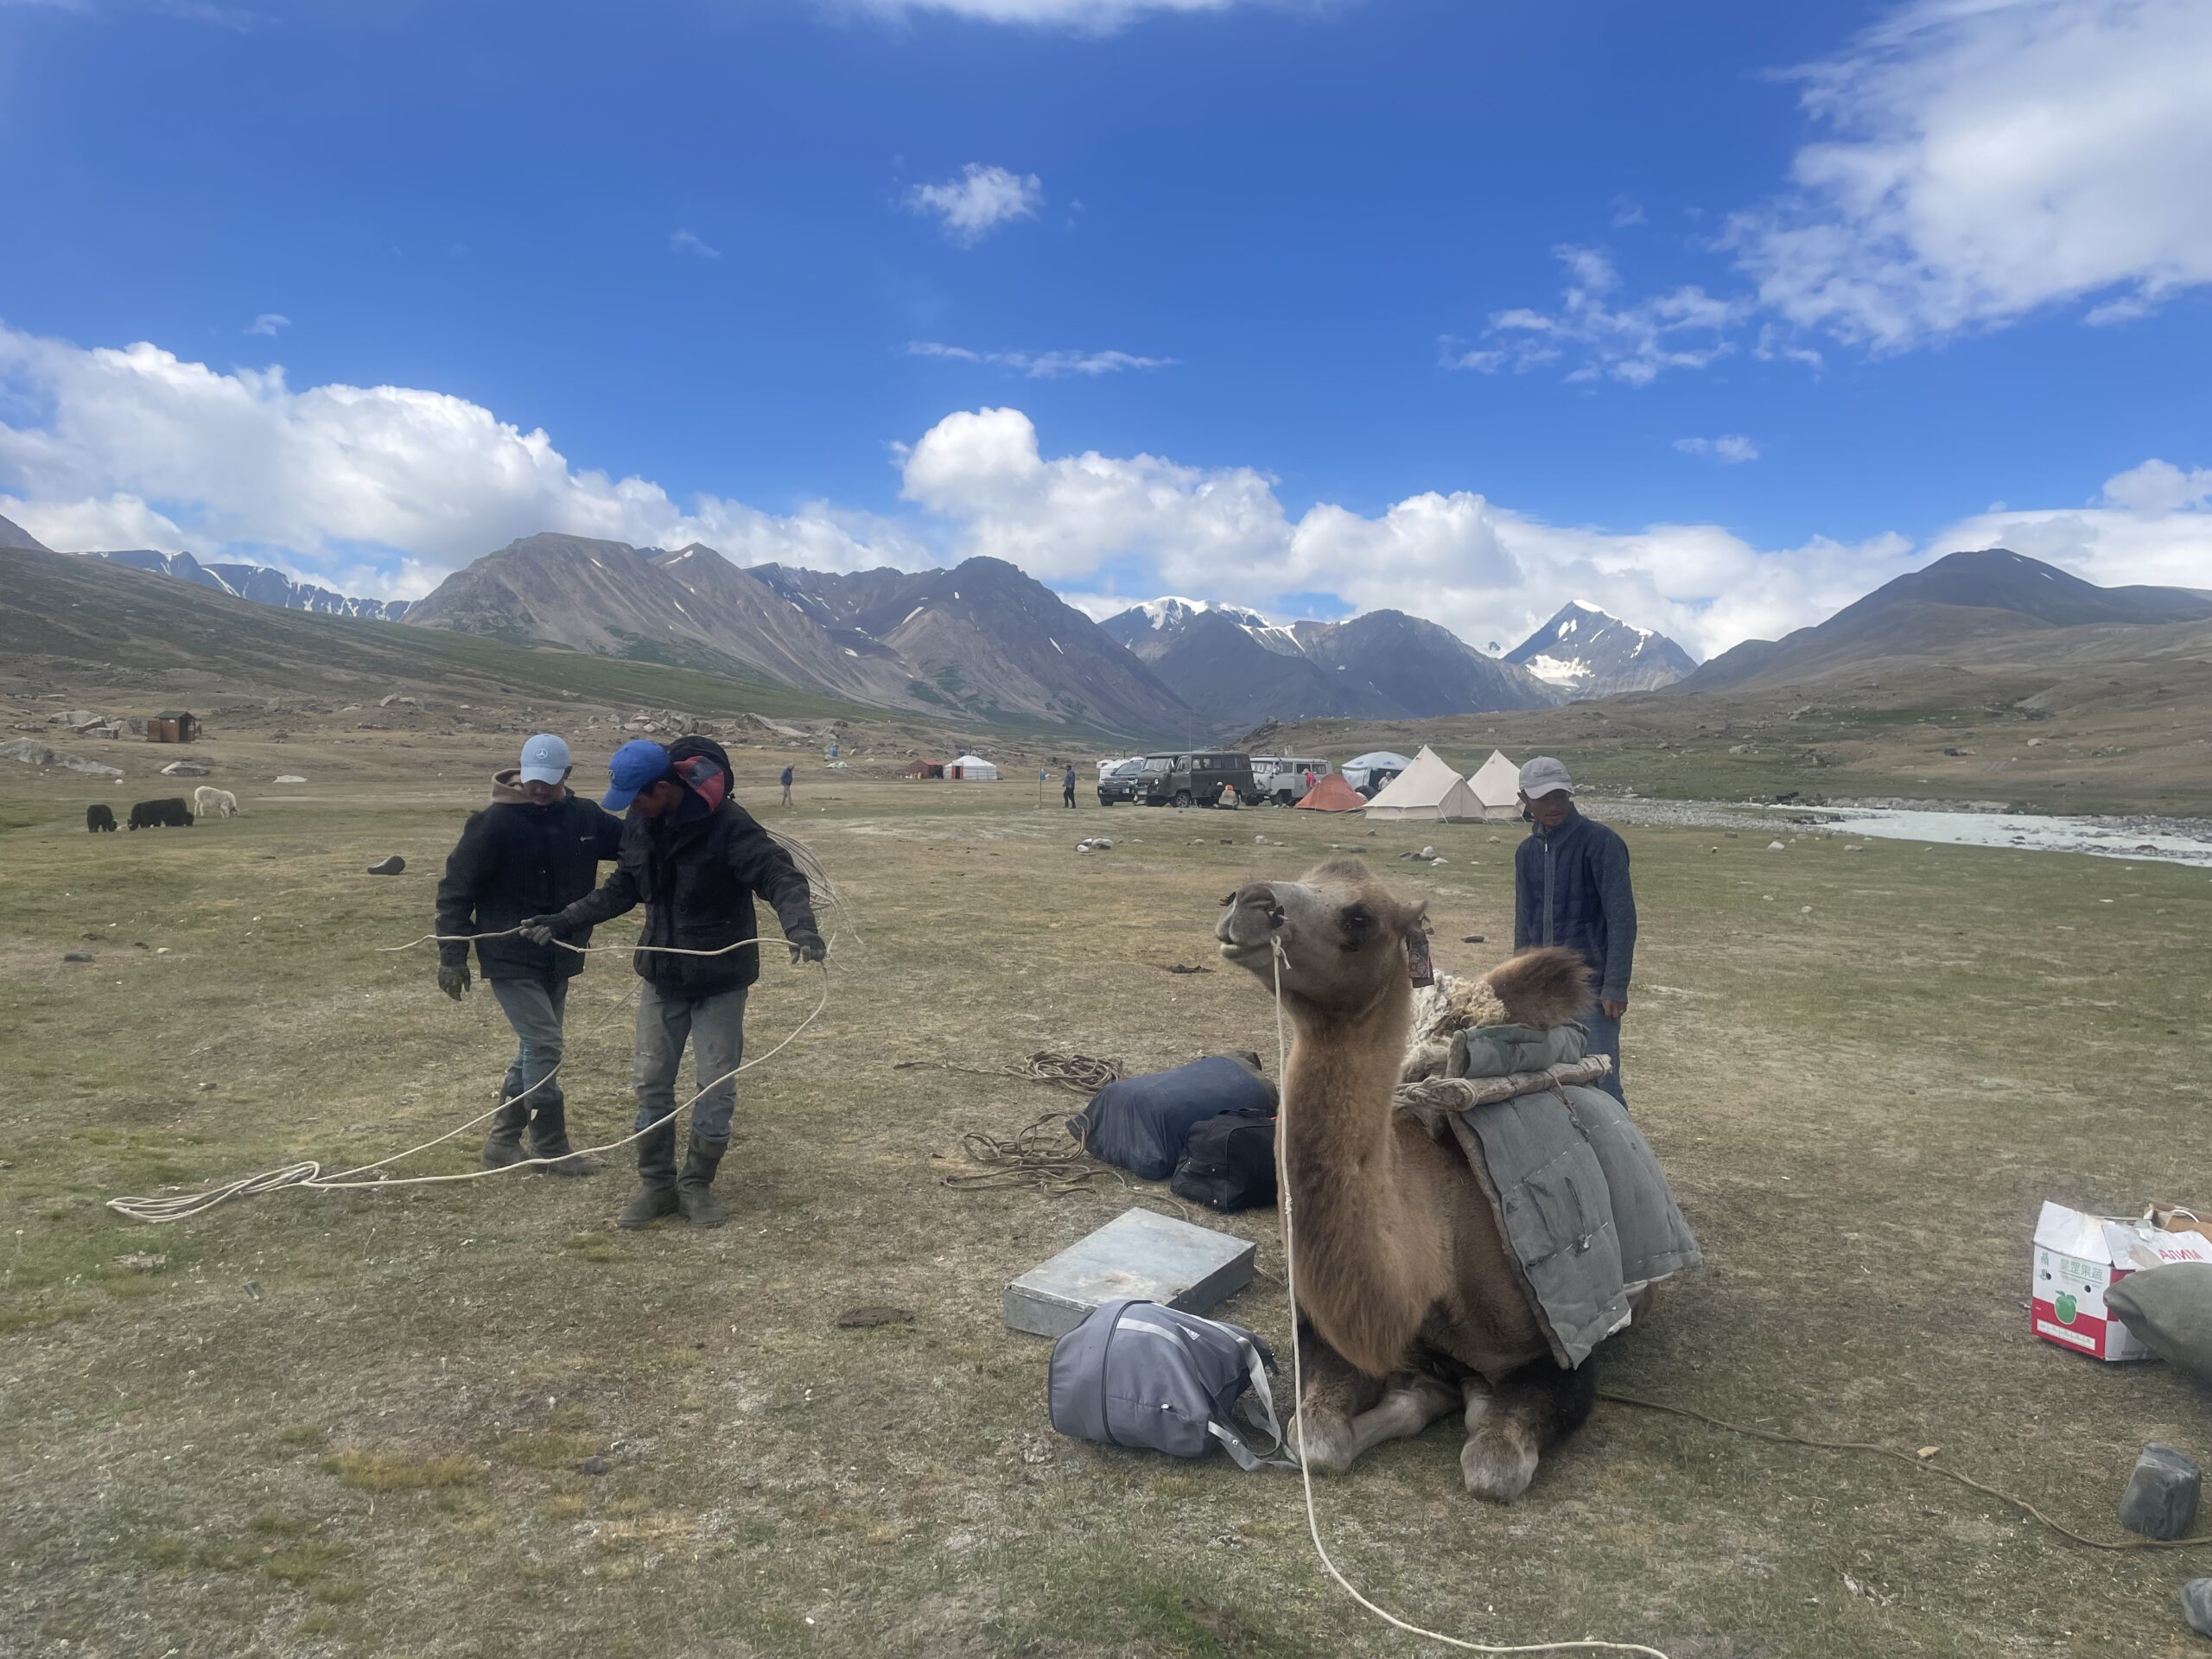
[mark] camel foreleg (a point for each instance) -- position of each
(1345, 1413)
(1511, 1426)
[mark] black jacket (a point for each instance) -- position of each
(1571, 888)
(697, 877)
(515, 860)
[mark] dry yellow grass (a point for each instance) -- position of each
(1861, 1107)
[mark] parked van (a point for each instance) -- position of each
(1195, 779)
(1282, 777)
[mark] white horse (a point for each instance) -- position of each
(211, 803)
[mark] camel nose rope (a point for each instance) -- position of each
(1298, 1385)
(310, 1175)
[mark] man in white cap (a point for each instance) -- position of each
(1571, 888)
(535, 849)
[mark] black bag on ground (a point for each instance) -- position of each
(1229, 1162)
(1137, 1374)
(1141, 1123)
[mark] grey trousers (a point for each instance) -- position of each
(1605, 1038)
(715, 1029)
(535, 1009)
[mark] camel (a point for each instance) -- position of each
(1412, 1302)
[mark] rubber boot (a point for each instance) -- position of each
(548, 1138)
(502, 1146)
(695, 1187)
(655, 1178)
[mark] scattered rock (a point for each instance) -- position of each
(391, 866)
(76, 956)
(187, 769)
(1429, 852)
(1854, 848)
(391, 697)
(1804, 910)
(1728, 834)
(1774, 847)
(594, 1465)
(143, 1261)
(1992, 1084)
(1096, 844)
(867, 1318)
(291, 778)
(38, 754)
(2160, 1501)
(1471, 939)
(2196, 1605)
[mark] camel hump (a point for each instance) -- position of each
(1548, 986)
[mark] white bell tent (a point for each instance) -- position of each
(1427, 791)
(1497, 785)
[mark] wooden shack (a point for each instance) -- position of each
(173, 725)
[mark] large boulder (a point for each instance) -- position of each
(187, 769)
(32, 753)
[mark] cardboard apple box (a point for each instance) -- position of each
(2078, 1257)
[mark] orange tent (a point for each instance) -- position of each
(1330, 794)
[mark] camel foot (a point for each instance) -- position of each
(1499, 1458)
(1325, 1439)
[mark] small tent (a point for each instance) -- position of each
(1497, 783)
(925, 769)
(1378, 768)
(972, 769)
(1330, 794)
(1427, 791)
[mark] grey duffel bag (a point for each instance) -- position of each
(1137, 1374)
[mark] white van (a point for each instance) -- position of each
(1282, 777)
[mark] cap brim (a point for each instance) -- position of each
(544, 774)
(618, 800)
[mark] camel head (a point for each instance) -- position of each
(1344, 936)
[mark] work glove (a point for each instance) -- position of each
(453, 979)
(539, 929)
(806, 944)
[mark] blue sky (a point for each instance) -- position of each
(1715, 314)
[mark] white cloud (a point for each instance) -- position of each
(1627, 212)
(1988, 158)
(688, 241)
(971, 206)
(2159, 488)
(382, 490)
(1730, 450)
(139, 447)
(1041, 365)
(268, 322)
(1077, 16)
(1973, 162)
(1636, 343)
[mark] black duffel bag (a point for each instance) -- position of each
(1142, 1123)
(1229, 1162)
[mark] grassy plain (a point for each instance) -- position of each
(353, 1424)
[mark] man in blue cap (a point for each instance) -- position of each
(534, 849)
(1571, 886)
(695, 859)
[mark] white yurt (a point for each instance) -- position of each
(972, 769)
(1427, 791)
(1497, 783)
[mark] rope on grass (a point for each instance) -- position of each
(1912, 1460)
(310, 1175)
(1085, 1074)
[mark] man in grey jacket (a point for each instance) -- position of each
(1571, 888)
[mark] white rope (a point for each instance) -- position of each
(1298, 1386)
(310, 1175)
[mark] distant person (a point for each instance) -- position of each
(1067, 787)
(1309, 780)
(1571, 888)
(536, 848)
(695, 859)
(787, 785)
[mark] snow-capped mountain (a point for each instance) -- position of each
(1166, 617)
(1588, 652)
(257, 583)
(1235, 664)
